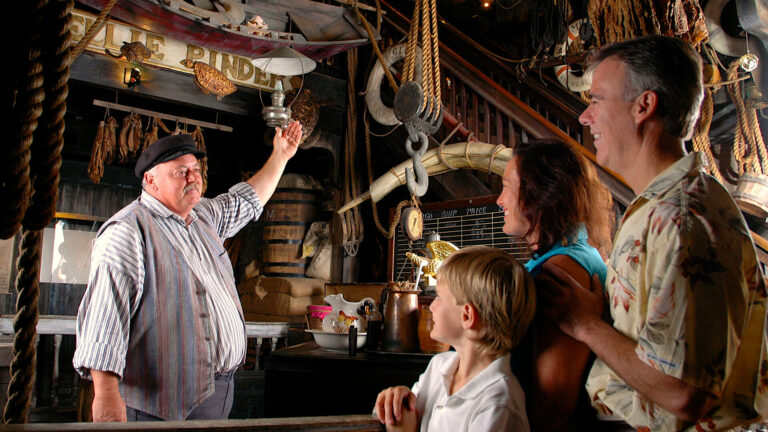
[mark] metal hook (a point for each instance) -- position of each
(417, 179)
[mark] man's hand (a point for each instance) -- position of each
(568, 303)
(286, 142)
(395, 406)
(108, 405)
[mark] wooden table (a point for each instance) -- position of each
(306, 380)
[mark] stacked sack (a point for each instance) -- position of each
(280, 299)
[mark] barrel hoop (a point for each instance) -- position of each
(299, 190)
(749, 196)
(278, 201)
(282, 241)
(295, 275)
(284, 264)
(287, 223)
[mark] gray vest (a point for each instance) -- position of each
(168, 369)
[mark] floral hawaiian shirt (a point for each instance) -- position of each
(683, 281)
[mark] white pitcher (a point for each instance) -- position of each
(339, 304)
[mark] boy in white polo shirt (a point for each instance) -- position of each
(485, 302)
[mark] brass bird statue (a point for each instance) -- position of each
(439, 250)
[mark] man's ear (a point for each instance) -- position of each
(469, 316)
(149, 179)
(645, 106)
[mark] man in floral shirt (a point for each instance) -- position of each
(684, 288)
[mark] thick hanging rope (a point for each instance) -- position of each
(49, 136)
(701, 135)
(15, 186)
(748, 146)
(25, 328)
(41, 101)
(351, 224)
(424, 22)
(409, 63)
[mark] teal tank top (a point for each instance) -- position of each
(578, 250)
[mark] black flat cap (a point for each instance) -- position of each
(165, 149)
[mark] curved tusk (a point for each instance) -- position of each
(468, 155)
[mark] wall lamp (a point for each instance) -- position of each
(131, 76)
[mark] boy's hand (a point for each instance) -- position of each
(409, 422)
(393, 403)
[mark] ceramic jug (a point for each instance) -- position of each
(354, 309)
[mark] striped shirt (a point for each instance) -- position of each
(117, 277)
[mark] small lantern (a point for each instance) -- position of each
(131, 76)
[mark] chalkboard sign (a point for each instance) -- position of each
(467, 222)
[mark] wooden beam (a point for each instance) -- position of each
(163, 116)
(362, 422)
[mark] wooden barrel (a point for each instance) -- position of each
(751, 194)
(289, 213)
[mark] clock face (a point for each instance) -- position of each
(413, 224)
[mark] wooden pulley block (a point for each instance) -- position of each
(409, 108)
(408, 101)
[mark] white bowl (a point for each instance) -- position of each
(335, 341)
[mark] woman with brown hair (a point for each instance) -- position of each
(553, 199)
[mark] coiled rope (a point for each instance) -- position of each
(748, 146)
(700, 139)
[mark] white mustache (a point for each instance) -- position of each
(191, 186)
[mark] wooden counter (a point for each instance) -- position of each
(306, 380)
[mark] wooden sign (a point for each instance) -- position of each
(168, 53)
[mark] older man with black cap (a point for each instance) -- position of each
(160, 329)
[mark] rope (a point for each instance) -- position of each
(93, 29)
(443, 159)
(25, 328)
(496, 150)
(435, 55)
(49, 138)
(49, 28)
(396, 218)
(701, 136)
(379, 16)
(16, 187)
(409, 68)
(351, 224)
(399, 178)
(377, 50)
(424, 21)
(466, 155)
(426, 78)
(747, 139)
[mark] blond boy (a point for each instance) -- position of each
(485, 302)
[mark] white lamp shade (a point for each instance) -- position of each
(284, 61)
